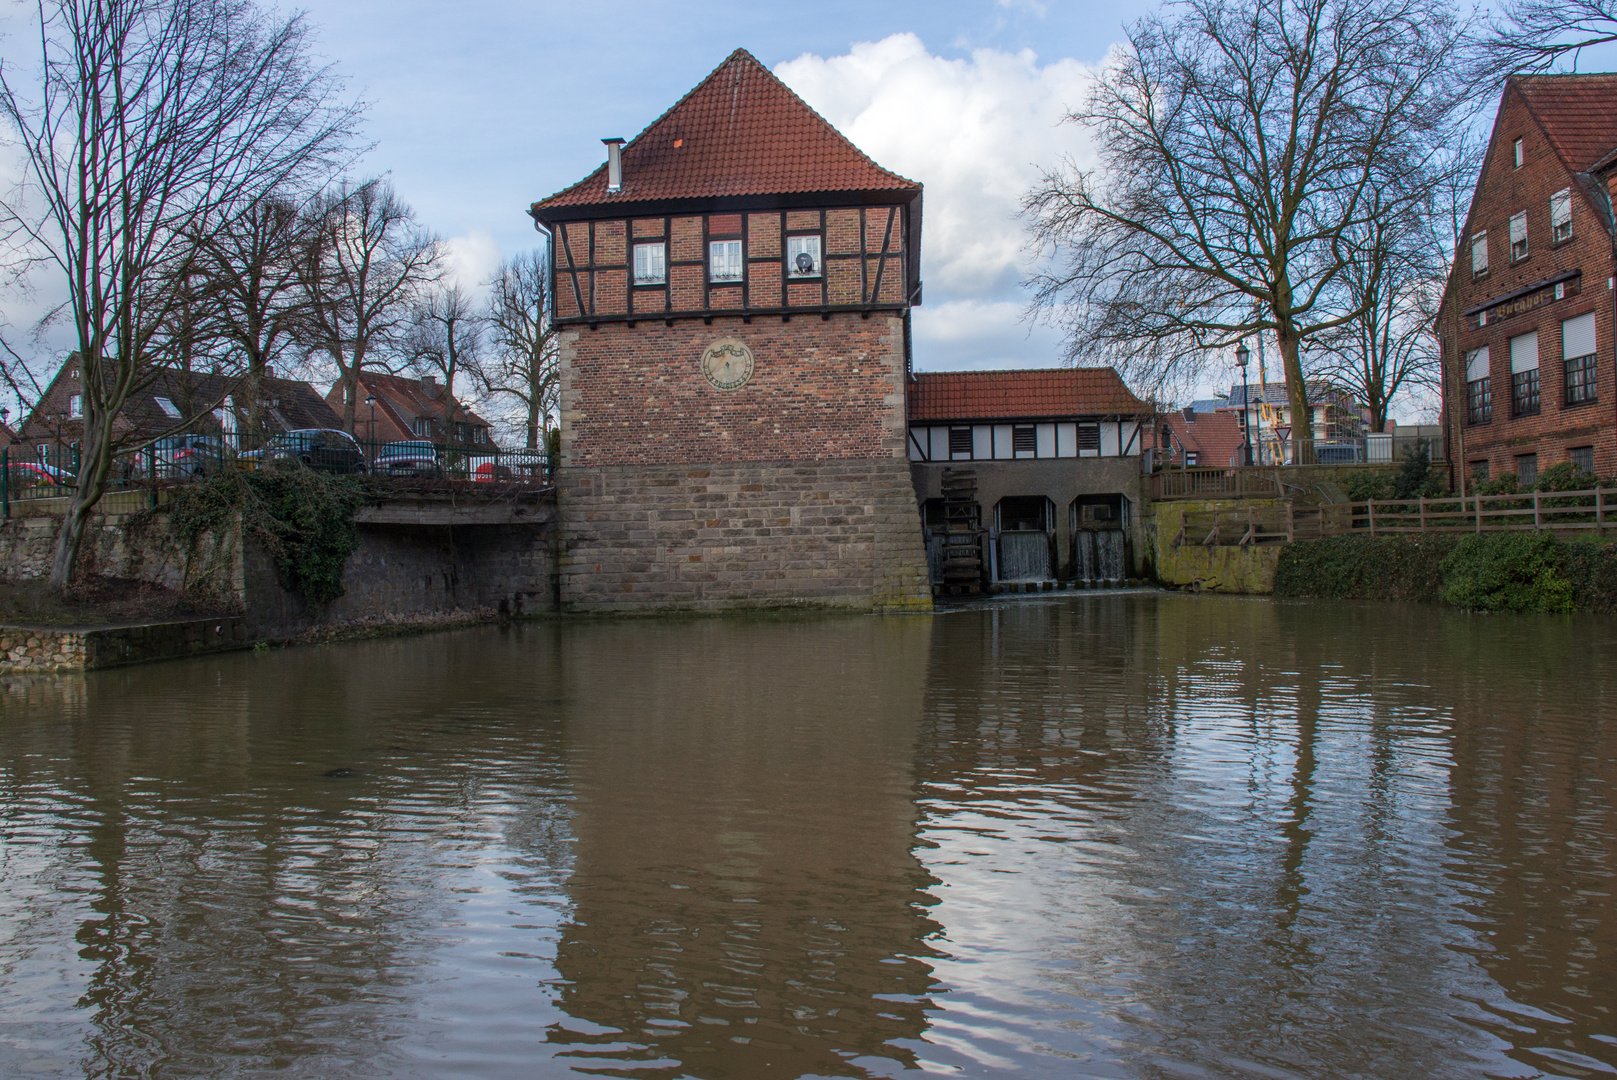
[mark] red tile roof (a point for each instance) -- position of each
(741, 131)
(1214, 437)
(1005, 395)
(1577, 112)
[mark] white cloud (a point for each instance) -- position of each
(976, 132)
(472, 259)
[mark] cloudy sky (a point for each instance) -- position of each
(479, 109)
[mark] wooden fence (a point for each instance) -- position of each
(1589, 511)
(1236, 483)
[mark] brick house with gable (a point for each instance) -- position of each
(732, 291)
(1527, 312)
(396, 408)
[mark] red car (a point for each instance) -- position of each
(28, 474)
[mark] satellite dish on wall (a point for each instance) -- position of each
(805, 263)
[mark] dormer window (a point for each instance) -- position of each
(803, 256)
(168, 407)
(650, 264)
(724, 260)
(1518, 237)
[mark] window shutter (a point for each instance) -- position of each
(1479, 253)
(1524, 353)
(1476, 364)
(1518, 228)
(1578, 336)
(1561, 207)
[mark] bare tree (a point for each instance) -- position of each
(147, 118)
(1243, 142)
(253, 295)
(445, 337)
(523, 365)
(1536, 35)
(365, 261)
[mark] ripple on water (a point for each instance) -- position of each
(1130, 836)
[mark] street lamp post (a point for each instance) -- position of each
(1243, 356)
(370, 400)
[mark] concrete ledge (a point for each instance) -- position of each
(56, 648)
(533, 511)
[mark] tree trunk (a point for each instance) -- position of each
(1302, 421)
(91, 485)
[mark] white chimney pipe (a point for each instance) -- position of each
(614, 165)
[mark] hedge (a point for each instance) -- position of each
(1507, 571)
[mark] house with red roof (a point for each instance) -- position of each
(1526, 323)
(732, 291)
(397, 408)
(1054, 458)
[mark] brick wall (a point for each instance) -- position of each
(742, 534)
(821, 389)
(1502, 191)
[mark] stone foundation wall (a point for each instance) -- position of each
(55, 649)
(842, 533)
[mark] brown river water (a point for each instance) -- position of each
(1129, 835)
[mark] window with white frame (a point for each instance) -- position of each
(1479, 254)
(1578, 351)
(168, 407)
(1524, 374)
(650, 264)
(724, 260)
(1560, 215)
(803, 256)
(75, 406)
(1478, 391)
(1518, 236)
(1516, 152)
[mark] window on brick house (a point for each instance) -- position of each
(1578, 346)
(803, 256)
(724, 260)
(1516, 153)
(1526, 469)
(650, 264)
(1518, 237)
(1192, 457)
(1478, 388)
(1582, 458)
(1479, 254)
(1524, 374)
(1561, 216)
(75, 406)
(1479, 469)
(422, 427)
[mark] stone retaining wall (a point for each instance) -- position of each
(814, 534)
(56, 649)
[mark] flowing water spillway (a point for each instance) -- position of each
(1099, 555)
(1024, 556)
(1096, 834)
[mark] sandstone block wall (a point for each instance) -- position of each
(742, 534)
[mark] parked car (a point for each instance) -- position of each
(178, 456)
(407, 459)
(321, 449)
(28, 474)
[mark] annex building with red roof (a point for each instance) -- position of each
(1530, 367)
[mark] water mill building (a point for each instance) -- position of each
(741, 423)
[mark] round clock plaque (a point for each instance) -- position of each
(727, 364)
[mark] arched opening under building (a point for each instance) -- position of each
(1024, 536)
(1100, 550)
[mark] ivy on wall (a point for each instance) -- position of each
(304, 520)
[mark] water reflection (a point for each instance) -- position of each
(1127, 835)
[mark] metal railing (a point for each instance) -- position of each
(1342, 450)
(50, 471)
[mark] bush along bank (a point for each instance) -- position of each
(1516, 571)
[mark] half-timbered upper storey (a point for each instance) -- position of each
(1024, 415)
(739, 200)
